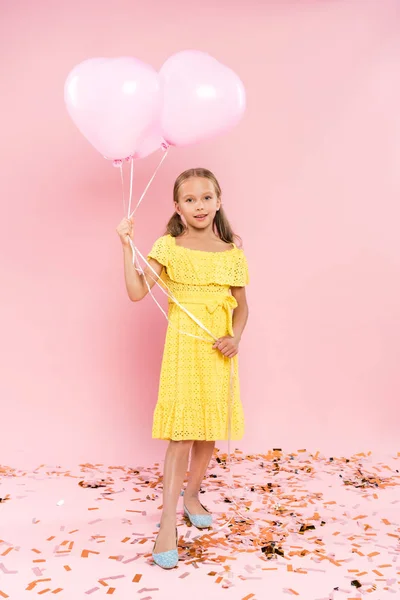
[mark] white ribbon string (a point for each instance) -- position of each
(170, 295)
(155, 279)
(122, 185)
(149, 184)
(130, 189)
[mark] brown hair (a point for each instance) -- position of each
(221, 224)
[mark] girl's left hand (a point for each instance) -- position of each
(227, 345)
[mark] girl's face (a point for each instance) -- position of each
(198, 202)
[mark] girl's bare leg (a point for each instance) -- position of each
(175, 468)
(200, 459)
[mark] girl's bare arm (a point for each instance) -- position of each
(134, 281)
(241, 312)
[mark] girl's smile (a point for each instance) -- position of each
(198, 201)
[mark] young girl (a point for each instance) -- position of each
(206, 272)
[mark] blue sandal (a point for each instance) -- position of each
(199, 521)
(168, 559)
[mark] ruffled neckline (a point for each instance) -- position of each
(200, 267)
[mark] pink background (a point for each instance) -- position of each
(311, 182)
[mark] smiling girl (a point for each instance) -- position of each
(207, 273)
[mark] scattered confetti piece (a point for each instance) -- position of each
(301, 514)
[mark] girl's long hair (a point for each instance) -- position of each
(222, 227)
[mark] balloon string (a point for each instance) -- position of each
(122, 185)
(149, 184)
(130, 189)
(170, 295)
(155, 299)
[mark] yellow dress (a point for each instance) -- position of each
(194, 389)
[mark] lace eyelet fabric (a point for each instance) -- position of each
(194, 388)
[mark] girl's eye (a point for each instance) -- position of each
(189, 199)
(208, 197)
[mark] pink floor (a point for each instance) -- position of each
(303, 526)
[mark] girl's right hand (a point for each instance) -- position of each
(125, 231)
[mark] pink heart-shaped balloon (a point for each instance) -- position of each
(202, 98)
(114, 102)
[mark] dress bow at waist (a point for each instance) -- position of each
(227, 302)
